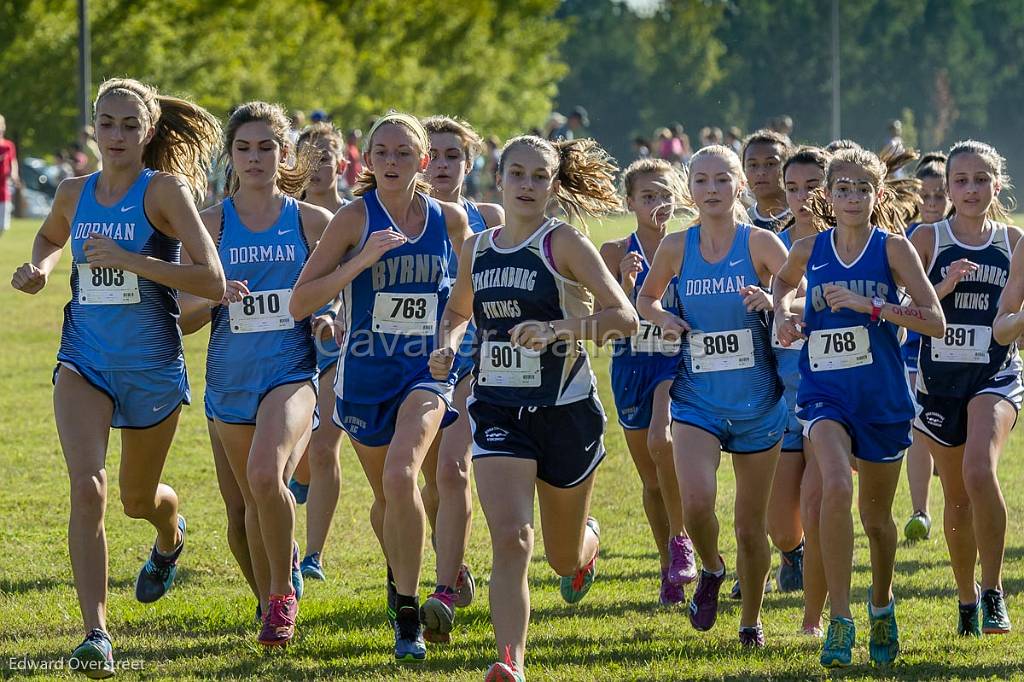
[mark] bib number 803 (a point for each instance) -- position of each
(107, 277)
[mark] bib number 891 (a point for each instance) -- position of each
(959, 336)
(107, 277)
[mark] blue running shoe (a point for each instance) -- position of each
(837, 651)
(409, 644)
(157, 574)
(299, 490)
(297, 582)
(791, 569)
(995, 620)
(969, 624)
(312, 568)
(884, 645)
(94, 656)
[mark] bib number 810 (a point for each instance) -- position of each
(253, 305)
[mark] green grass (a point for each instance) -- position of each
(204, 627)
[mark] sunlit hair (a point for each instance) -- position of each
(806, 156)
(185, 137)
(931, 165)
(893, 210)
(472, 145)
(675, 181)
(290, 179)
(585, 173)
(998, 210)
(735, 170)
(321, 130)
(897, 157)
(766, 136)
(366, 180)
(835, 145)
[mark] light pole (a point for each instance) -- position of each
(836, 121)
(84, 64)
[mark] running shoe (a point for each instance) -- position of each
(994, 618)
(704, 605)
(392, 602)
(919, 527)
(465, 587)
(157, 574)
(94, 656)
(682, 568)
(409, 644)
(837, 651)
(506, 671)
(884, 645)
(670, 594)
(969, 624)
(575, 587)
(312, 568)
(814, 631)
(279, 620)
(438, 616)
(736, 594)
(752, 637)
(297, 583)
(791, 570)
(299, 490)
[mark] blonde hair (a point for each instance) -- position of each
(997, 210)
(366, 180)
(290, 179)
(720, 151)
(321, 130)
(185, 136)
(896, 207)
(675, 181)
(585, 173)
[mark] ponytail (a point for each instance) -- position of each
(185, 136)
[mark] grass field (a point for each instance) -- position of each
(204, 627)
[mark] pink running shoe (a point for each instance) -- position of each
(682, 568)
(671, 595)
(438, 617)
(505, 672)
(279, 620)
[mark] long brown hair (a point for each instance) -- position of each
(997, 211)
(585, 173)
(290, 179)
(185, 136)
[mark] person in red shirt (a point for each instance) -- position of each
(355, 158)
(8, 176)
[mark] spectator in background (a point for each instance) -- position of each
(663, 138)
(784, 126)
(79, 161)
(355, 160)
(715, 135)
(576, 124)
(681, 144)
(555, 124)
(8, 176)
(87, 140)
(641, 148)
(705, 136)
(298, 123)
(489, 174)
(734, 139)
(895, 139)
(319, 116)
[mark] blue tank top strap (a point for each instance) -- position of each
(476, 219)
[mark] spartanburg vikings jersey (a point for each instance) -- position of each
(767, 222)
(117, 319)
(511, 285)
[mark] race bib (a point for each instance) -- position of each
(502, 364)
(406, 314)
(719, 351)
(649, 340)
(840, 348)
(261, 311)
(107, 286)
(796, 345)
(963, 343)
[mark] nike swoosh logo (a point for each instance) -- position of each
(281, 232)
(734, 263)
(589, 447)
(159, 407)
(125, 209)
(818, 267)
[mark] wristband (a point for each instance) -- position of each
(876, 308)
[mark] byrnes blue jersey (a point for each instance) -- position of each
(847, 360)
(647, 344)
(392, 308)
(517, 284)
(788, 359)
(256, 344)
(967, 356)
(476, 219)
(117, 320)
(727, 367)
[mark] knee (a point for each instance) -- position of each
(513, 540)
(978, 475)
(264, 479)
(837, 491)
(89, 492)
(236, 518)
(877, 526)
(398, 481)
(698, 507)
(324, 459)
(452, 475)
(751, 536)
(659, 444)
(136, 505)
